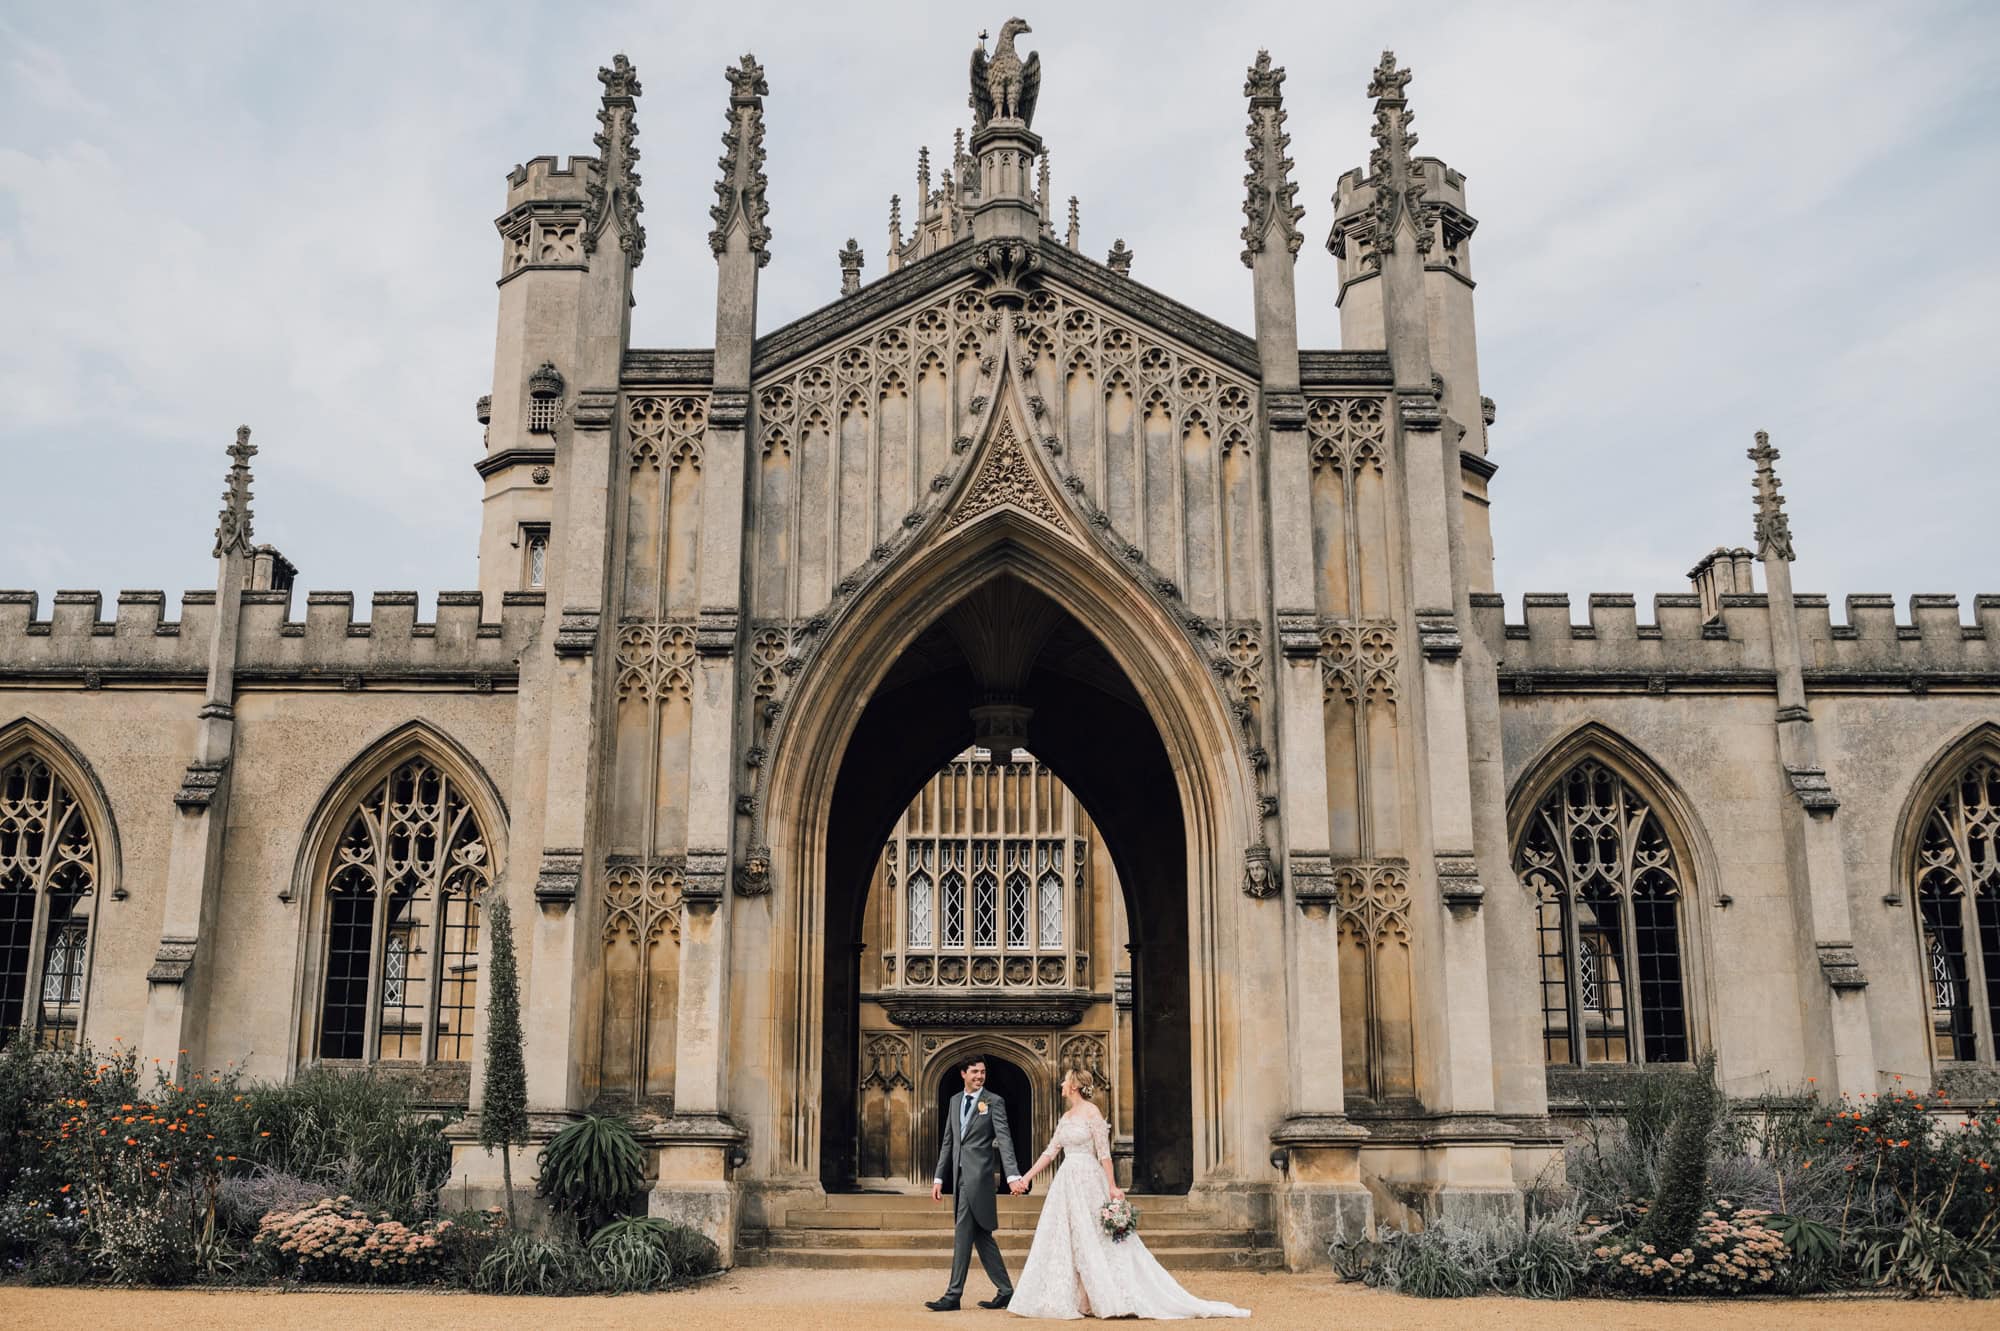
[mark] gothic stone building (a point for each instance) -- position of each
(1005, 659)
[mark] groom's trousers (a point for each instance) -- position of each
(966, 1236)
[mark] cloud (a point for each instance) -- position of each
(1696, 222)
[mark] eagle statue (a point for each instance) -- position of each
(1004, 85)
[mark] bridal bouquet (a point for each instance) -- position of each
(1120, 1219)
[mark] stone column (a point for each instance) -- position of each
(177, 986)
(1319, 1150)
(1840, 1044)
(700, 1145)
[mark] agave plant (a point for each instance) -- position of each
(592, 1169)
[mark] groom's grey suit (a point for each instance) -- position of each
(977, 1145)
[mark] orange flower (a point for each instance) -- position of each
(131, 1141)
(64, 1188)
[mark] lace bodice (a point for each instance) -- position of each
(1080, 1138)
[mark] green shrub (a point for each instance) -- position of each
(592, 1170)
(1927, 1258)
(245, 1199)
(1543, 1260)
(632, 1255)
(524, 1264)
(465, 1240)
(354, 1133)
(503, 1108)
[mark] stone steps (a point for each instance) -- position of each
(939, 1259)
(940, 1239)
(909, 1232)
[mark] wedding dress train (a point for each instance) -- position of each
(1074, 1269)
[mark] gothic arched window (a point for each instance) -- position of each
(1608, 889)
(1957, 875)
(402, 890)
(48, 879)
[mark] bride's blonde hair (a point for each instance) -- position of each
(1086, 1085)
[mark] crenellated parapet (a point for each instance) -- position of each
(138, 643)
(1683, 644)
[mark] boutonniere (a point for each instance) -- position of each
(980, 1106)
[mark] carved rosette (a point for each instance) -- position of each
(642, 903)
(1372, 900)
(1358, 663)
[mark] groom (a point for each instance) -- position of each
(976, 1143)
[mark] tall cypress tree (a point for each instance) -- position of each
(503, 1113)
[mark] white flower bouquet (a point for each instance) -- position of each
(1119, 1218)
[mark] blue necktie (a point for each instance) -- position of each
(965, 1115)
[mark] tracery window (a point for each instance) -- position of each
(48, 878)
(403, 888)
(1957, 875)
(1608, 890)
(995, 853)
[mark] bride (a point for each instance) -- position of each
(1074, 1268)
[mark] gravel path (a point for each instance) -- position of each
(768, 1300)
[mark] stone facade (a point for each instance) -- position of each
(1360, 887)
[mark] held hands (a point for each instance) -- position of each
(1018, 1186)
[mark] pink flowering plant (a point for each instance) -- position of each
(1120, 1219)
(1735, 1251)
(336, 1240)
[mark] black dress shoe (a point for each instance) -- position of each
(943, 1305)
(998, 1300)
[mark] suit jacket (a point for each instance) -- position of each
(971, 1159)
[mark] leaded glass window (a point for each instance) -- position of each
(1018, 903)
(402, 892)
(995, 851)
(1608, 889)
(985, 897)
(1957, 876)
(48, 882)
(920, 895)
(1049, 903)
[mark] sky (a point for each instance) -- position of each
(1696, 221)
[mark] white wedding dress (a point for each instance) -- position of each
(1074, 1269)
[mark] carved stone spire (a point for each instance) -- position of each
(1269, 194)
(850, 268)
(1399, 190)
(1774, 529)
(232, 529)
(895, 223)
(739, 194)
(1075, 237)
(613, 187)
(923, 178)
(1042, 190)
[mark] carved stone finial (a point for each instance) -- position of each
(1399, 190)
(1075, 225)
(1042, 190)
(850, 268)
(1120, 258)
(613, 186)
(1004, 86)
(232, 529)
(740, 193)
(895, 223)
(1008, 267)
(1774, 529)
(1269, 194)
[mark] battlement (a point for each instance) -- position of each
(140, 644)
(1684, 642)
(547, 180)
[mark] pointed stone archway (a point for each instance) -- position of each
(1007, 520)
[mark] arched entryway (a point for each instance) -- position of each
(1082, 718)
